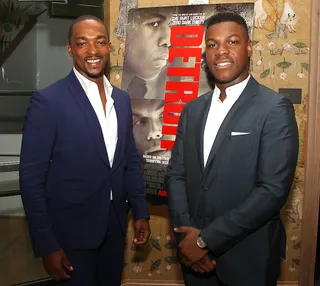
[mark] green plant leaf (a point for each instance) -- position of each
(265, 73)
(137, 259)
(170, 245)
(172, 260)
(305, 66)
(300, 45)
(155, 244)
(137, 248)
(284, 65)
(296, 261)
(155, 265)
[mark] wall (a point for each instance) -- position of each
(278, 62)
(53, 60)
(40, 59)
(41, 56)
(24, 57)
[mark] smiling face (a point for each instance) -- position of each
(147, 125)
(147, 48)
(89, 47)
(228, 49)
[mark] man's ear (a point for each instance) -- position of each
(249, 48)
(69, 50)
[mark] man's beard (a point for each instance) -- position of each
(95, 75)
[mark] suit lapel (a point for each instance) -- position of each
(95, 128)
(121, 122)
(233, 116)
(203, 111)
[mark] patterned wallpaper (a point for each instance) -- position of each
(280, 60)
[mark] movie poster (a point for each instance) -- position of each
(163, 70)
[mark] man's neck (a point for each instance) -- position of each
(100, 82)
(223, 86)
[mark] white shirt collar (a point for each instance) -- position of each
(86, 83)
(233, 92)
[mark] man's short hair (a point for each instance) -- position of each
(226, 17)
(83, 18)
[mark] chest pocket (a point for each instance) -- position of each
(241, 145)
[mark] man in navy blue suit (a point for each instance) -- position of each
(80, 170)
(231, 168)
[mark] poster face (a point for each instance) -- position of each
(163, 69)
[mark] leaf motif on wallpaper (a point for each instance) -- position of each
(155, 265)
(172, 260)
(254, 42)
(137, 248)
(137, 259)
(171, 245)
(283, 65)
(296, 261)
(300, 45)
(116, 68)
(155, 244)
(265, 73)
(305, 66)
(297, 246)
(301, 48)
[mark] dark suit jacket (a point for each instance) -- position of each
(236, 199)
(65, 176)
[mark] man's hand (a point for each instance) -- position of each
(141, 231)
(55, 264)
(188, 246)
(204, 265)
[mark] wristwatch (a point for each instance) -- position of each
(200, 242)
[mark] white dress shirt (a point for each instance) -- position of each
(108, 122)
(217, 113)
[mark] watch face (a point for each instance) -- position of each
(201, 243)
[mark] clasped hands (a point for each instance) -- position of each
(190, 254)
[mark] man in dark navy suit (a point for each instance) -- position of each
(80, 170)
(232, 168)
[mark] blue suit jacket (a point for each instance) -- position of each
(236, 198)
(65, 176)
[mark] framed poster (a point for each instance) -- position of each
(163, 69)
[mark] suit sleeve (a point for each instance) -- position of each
(279, 144)
(36, 150)
(134, 178)
(176, 180)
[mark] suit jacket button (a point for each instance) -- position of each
(205, 188)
